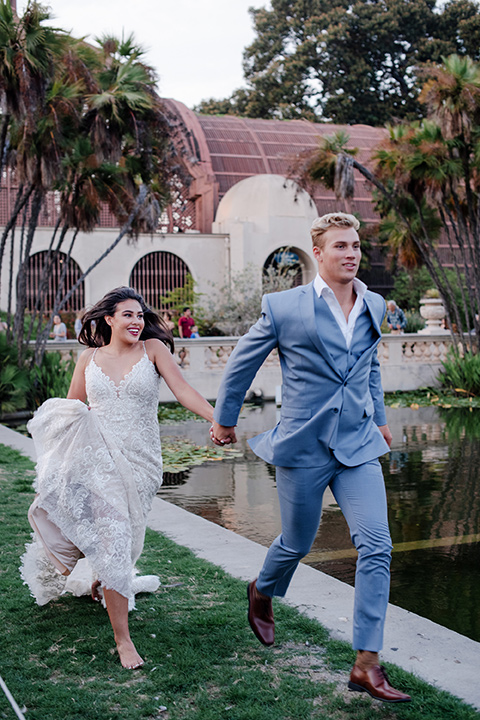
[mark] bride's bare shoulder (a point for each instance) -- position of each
(85, 356)
(154, 345)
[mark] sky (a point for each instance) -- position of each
(195, 46)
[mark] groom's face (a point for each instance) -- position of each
(339, 257)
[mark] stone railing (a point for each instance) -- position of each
(411, 361)
(407, 362)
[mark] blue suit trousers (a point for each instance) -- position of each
(360, 494)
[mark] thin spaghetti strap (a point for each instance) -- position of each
(92, 359)
(144, 348)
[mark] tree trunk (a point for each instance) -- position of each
(42, 335)
(3, 142)
(20, 202)
(22, 276)
(141, 198)
(42, 286)
(426, 250)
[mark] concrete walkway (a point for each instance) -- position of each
(443, 658)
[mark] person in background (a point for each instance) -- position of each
(195, 333)
(396, 319)
(59, 330)
(185, 323)
(167, 319)
(78, 322)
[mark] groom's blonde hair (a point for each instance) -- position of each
(322, 224)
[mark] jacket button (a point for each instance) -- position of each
(335, 410)
(345, 384)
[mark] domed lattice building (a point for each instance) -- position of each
(241, 208)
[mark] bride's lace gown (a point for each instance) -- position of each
(98, 469)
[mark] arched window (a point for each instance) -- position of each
(159, 273)
(42, 281)
(285, 264)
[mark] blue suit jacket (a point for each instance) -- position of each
(332, 398)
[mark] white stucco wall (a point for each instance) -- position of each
(206, 256)
(255, 218)
(262, 214)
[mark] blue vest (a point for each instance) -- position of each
(364, 335)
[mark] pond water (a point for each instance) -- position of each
(433, 488)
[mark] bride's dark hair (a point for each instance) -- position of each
(96, 332)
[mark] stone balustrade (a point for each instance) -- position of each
(407, 362)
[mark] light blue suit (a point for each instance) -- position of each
(332, 404)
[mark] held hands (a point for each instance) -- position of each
(221, 435)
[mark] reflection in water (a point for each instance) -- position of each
(434, 508)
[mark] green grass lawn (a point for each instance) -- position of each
(202, 660)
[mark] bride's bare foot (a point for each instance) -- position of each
(129, 656)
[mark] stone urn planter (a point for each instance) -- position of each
(433, 312)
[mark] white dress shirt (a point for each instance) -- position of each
(346, 326)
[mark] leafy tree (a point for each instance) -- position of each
(347, 62)
(234, 105)
(234, 307)
(409, 287)
(427, 180)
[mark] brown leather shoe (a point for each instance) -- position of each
(375, 682)
(260, 615)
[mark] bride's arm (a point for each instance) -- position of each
(77, 390)
(169, 370)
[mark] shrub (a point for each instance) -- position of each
(409, 287)
(415, 322)
(13, 380)
(461, 373)
(235, 307)
(50, 379)
(13, 387)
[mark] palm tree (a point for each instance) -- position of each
(28, 50)
(451, 94)
(84, 122)
(122, 155)
(426, 176)
(325, 166)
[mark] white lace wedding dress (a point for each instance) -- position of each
(98, 468)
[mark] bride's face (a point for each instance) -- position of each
(127, 322)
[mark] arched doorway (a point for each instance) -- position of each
(285, 264)
(159, 273)
(43, 281)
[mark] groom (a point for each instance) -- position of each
(331, 432)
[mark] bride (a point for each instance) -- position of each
(99, 465)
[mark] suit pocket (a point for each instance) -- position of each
(300, 413)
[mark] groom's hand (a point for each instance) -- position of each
(385, 430)
(221, 435)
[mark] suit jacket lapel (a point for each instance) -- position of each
(376, 326)
(307, 313)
